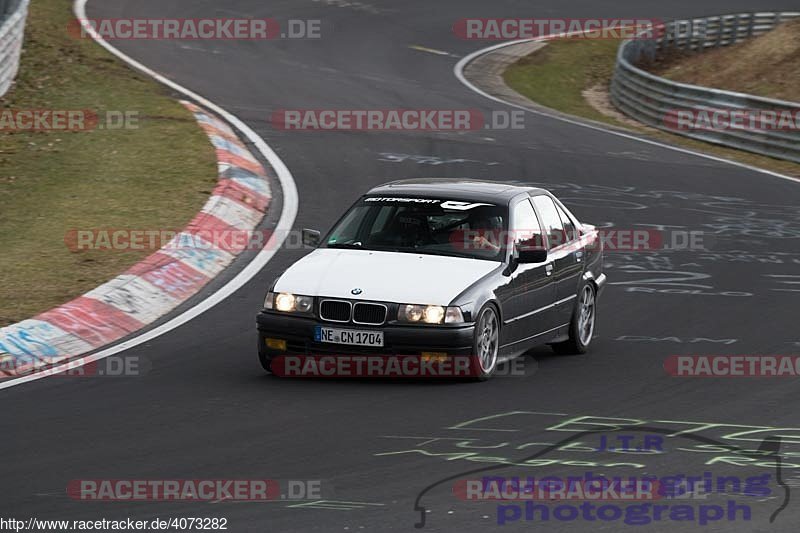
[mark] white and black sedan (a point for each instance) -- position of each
(451, 267)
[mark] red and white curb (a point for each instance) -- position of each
(158, 284)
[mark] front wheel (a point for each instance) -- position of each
(581, 328)
(486, 343)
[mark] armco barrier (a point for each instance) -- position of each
(12, 28)
(652, 99)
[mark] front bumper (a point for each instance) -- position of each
(298, 332)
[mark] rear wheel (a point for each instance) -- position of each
(486, 343)
(581, 328)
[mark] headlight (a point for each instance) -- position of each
(287, 302)
(429, 314)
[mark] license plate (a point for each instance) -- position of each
(348, 336)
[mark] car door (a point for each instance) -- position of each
(564, 252)
(529, 292)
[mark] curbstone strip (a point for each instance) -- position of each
(159, 283)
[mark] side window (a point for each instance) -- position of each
(550, 220)
(569, 227)
(527, 231)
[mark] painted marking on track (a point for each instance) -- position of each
(334, 505)
(390, 157)
(199, 49)
(228, 501)
(357, 6)
(794, 281)
(421, 48)
(427, 441)
(679, 340)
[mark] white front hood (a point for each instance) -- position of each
(383, 276)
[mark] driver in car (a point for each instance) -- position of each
(486, 232)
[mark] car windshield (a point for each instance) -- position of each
(434, 226)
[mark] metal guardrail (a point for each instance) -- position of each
(12, 28)
(655, 101)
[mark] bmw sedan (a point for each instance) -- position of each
(440, 268)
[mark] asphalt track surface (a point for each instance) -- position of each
(205, 410)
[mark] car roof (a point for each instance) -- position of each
(454, 188)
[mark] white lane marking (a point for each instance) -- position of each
(459, 72)
(285, 222)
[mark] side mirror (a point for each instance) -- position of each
(532, 255)
(311, 237)
(524, 254)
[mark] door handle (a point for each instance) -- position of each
(548, 268)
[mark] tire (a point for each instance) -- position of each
(485, 343)
(582, 325)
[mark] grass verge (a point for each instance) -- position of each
(155, 176)
(558, 76)
(767, 65)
